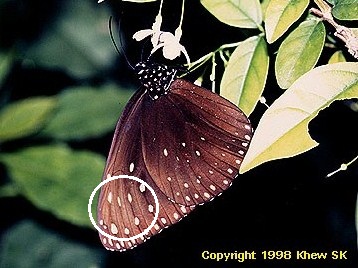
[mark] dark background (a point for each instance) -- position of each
(281, 205)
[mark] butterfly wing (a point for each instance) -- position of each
(195, 142)
(126, 207)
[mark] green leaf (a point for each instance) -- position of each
(28, 245)
(243, 14)
(85, 112)
(280, 15)
(25, 117)
(345, 10)
(337, 57)
(56, 179)
(8, 190)
(283, 129)
(245, 75)
(6, 62)
(299, 52)
(77, 42)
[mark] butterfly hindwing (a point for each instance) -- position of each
(198, 143)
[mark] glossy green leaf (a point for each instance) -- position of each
(337, 57)
(85, 112)
(26, 244)
(56, 179)
(25, 117)
(299, 52)
(77, 42)
(345, 9)
(245, 75)
(280, 15)
(283, 129)
(244, 14)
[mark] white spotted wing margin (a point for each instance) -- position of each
(125, 207)
(187, 145)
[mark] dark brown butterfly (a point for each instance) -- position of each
(186, 142)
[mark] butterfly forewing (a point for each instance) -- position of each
(126, 208)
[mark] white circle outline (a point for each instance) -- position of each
(112, 178)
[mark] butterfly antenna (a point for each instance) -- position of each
(119, 51)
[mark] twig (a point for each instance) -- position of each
(342, 32)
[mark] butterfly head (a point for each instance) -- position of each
(155, 78)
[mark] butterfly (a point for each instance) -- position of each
(184, 141)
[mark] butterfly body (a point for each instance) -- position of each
(186, 142)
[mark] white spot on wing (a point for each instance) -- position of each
(136, 221)
(126, 231)
(114, 228)
(150, 208)
(165, 152)
(131, 167)
(230, 170)
(142, 188)
(109, 197)
(130, 198)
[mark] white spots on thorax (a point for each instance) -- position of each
(165, 152)
(109, 197)
(130, 198)
(131, 167)
(114, 229)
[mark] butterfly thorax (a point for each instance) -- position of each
(155, 78)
